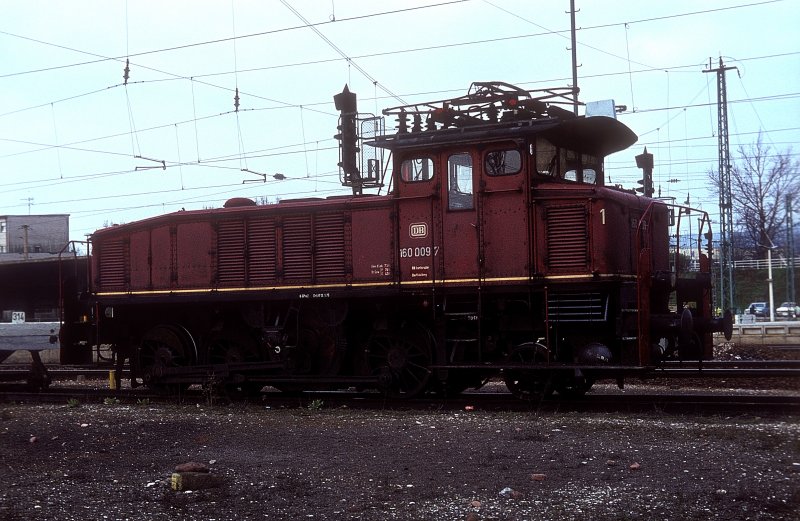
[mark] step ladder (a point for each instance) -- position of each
(462, 317)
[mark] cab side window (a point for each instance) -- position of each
(459, 182)
(549, 158)
(583, 168)
(416, 170)
(502, 162)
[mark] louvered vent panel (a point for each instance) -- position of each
(567, 238)
(261, 250)
(230, 253)
(297, 247)
(329, 246)
(113, 266)
(577, 307)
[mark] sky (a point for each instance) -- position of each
(77, 138)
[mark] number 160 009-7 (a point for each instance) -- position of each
(420, 251)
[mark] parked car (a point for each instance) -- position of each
(788, 310)
(759, 309)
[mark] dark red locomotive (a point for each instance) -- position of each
(496, 251)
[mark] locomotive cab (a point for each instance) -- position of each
(506, 208)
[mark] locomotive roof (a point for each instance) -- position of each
(240, 208)
(598, 135)
(493, 111)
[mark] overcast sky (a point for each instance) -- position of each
(71, 129)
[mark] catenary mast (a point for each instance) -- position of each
(726, 288)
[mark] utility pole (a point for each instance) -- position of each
(29, 200)
(25, 240)
(725, 200)
(574, 56)
(789, 251)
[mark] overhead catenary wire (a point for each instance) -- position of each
(303, 107)
(344, 55)
(102, 58)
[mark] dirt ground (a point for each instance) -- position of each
(114, 461)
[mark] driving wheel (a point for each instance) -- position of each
(525, 383)
(401, 360)
(162, 348)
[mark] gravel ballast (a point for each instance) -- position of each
(115, 461)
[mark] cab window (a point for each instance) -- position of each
(582, 168)
(459, 182)
(416, 170)
(502, 162)
(561, 163)
(549, 158)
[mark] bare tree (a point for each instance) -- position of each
(760, 182)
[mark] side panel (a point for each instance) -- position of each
(373, 241)
(140, 261)
(161, 244)
(460, 244)
(195, 246)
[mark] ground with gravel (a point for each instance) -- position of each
(114, 461)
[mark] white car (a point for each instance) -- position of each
(788, 310)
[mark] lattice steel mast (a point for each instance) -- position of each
(726, 288)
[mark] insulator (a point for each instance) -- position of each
(402, 122)
(417, 123)
(430, 124)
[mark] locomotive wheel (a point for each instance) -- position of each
(164, 347)
(235, 347)
(524, 384)
(401, 359)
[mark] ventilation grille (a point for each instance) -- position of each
(577, 307)
(113, 265)
(261, 250)
(329, 246)
(297, 247)
(567, 238)
(230, 253)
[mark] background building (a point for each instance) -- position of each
(32, 235)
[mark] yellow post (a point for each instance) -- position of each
(112, 379)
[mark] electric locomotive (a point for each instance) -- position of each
(479, 242)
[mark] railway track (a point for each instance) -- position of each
(68, 387)
(666, 401)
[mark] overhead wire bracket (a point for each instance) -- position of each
(276, 176)
(163, 163)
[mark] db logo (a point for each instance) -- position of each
(418, 230)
